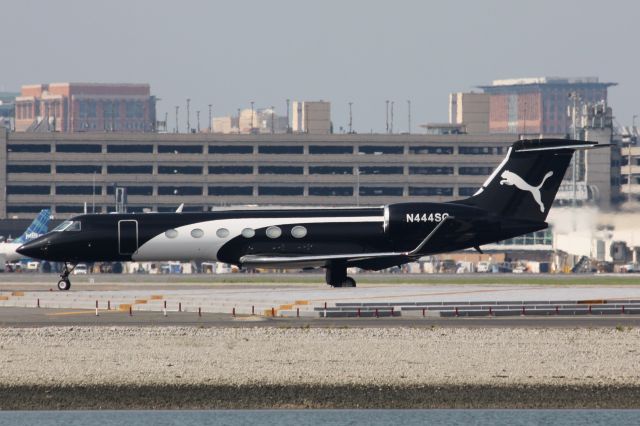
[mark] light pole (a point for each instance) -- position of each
(391, 127)
(251, 131)
(273, 113)
(387, 114)
(177, 124)
(188, 121)
(210, 119)
(288, 118)
(198, 117)
(350, 118)
(631, 140)
(409, 115)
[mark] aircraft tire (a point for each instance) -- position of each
(64, 285)
(349, 282)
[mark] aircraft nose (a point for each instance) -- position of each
(34, 249)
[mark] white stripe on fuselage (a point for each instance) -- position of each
(185, 247)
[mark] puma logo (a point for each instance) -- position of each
(510, 178)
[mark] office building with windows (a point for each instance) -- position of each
(85, 107)
(539, 105)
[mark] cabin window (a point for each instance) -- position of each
(171, 233)
(248, 232)
(298, 231)
(274, 232)
(222, 233)
(197, 233)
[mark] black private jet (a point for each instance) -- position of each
(514, 200)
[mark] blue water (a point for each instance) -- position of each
(323, 417)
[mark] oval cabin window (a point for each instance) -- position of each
(274, 232)
(222, 233)
(197, 233)
(171, 233)
(298, 231)
(248, 232)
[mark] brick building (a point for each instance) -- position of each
(539, 105)
(85, 107)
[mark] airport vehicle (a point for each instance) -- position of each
(483, 266)
(38, 227)
(80, 269)
(514, 200)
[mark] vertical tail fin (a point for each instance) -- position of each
(525, 184)
(39, 226)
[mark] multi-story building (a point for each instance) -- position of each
(208, 170)
(470, 110)
(311, 117)
(85, 107)
(251, 121)
(539, 105)
(7, 108)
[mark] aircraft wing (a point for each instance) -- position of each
(314, 261)
(311, 261)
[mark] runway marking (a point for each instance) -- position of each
(92, 311)
(445, 293)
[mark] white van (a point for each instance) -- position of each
(483, 266)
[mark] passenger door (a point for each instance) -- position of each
(127, 236)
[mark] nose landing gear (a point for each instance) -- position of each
(64, 284)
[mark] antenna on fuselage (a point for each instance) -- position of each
(180, 207)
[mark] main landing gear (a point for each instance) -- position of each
(64, 284)
(336, 276)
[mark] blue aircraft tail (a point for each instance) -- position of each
(39, 226)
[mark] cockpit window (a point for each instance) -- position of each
(68, 225)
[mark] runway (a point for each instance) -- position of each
(133, 300)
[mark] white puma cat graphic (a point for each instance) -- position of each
(510, 178)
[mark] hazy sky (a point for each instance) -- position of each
(228, 53)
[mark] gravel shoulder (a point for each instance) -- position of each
(188, 367)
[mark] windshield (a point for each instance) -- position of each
(68, 225)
